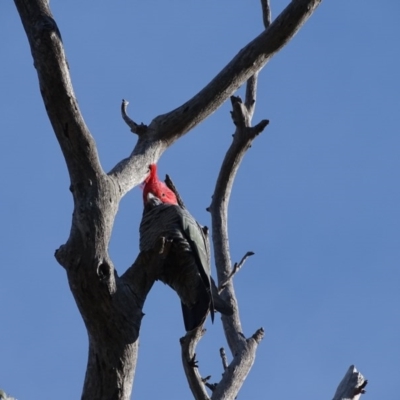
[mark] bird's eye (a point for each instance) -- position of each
(163, 195)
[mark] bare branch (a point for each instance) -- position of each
(240, 115)
(237, 371)
(235, 269)
(75, 140)
(242, 349)
(188, 347)
(237, 266)
(258, 335)
(62, 107)
(223, 358)
(251, 94)
(135, 128)
(266, 11)
(243, 137)
(248, 61)
(167, 128)
(257, 129)
(211, 386)
(111, 307)
(251, 86)
(352, 385)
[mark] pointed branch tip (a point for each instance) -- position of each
(352, 386)
(135, 128)
(223, 358)
(235, 269)
(258, 335)
(260, 126)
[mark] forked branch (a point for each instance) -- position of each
(235, 269)
(167, 128)
(243, 349)
(111, 306)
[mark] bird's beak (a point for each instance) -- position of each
(150, 196)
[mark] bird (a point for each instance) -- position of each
(187, 267)
(158, 188)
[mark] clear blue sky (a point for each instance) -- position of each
(317, 197)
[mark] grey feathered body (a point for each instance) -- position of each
(187, 266)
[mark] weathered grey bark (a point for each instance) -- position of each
(244, 350)
(111, 306)
(188, 346)
(167, 128)
(352, 385)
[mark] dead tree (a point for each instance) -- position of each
(111, 305)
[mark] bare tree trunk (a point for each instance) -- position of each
(111, 306)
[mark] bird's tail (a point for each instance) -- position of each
(195, 316)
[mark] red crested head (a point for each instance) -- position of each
(159, 189)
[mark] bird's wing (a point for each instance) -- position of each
(198, 243)
(178, 224)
